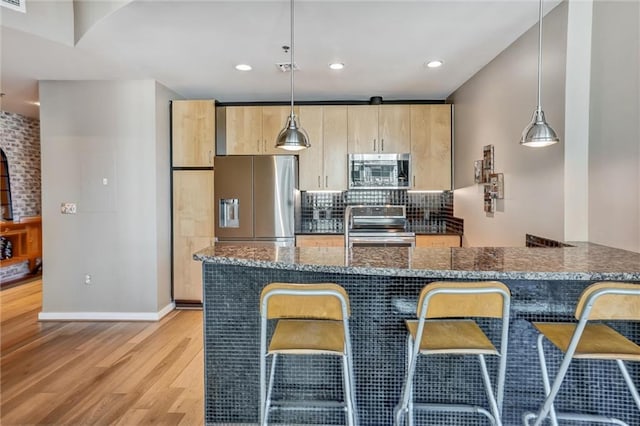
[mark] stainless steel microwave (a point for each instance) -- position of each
(376, 171)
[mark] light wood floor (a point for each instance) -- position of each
(97, 373)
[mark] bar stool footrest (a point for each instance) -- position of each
(578, 417)
(456, 408)
(306, 405)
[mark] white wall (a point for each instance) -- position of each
(614, 142)
(118, 130)
(163, 191)
(493, 107)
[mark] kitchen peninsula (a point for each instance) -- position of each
(383, 286)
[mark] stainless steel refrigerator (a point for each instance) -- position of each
(255, 198)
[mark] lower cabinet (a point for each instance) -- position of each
(193, 230)
(437, 240)
(319, 241)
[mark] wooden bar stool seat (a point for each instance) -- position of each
(452, 337)
(602, 301)
(444, 327)
(312, 319)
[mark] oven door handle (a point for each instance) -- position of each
(410, 242)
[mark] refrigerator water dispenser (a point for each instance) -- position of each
(228, 212)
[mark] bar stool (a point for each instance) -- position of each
(599, 302)
(459, 300)
(311, 319)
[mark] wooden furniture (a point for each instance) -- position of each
(431, 147)
(251, 130)
(312, 319)
(26, 240)
(602, 301)
(324, 165)
(319, 241)
(440, 330)
(379, 129)
(193, 146)
(193, 133)
(438, 241)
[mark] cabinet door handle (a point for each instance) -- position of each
(264, 146)
(210, 157)
(258, 146)
(414, 181)
(374, 145)
(326, 181)
(381, 145)
(319, 181)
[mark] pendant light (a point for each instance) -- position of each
(538, 133)
(292, 137)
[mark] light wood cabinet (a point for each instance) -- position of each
(379, 129)
(193, 229)
(319, 241)
(324, 165)
(273, 120)
(243, 126)
(252, 130)
(394, 128)
(437, 240)
(431, 147)
(193, 133)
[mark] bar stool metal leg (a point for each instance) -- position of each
(410, 403)
(489, 390)
(545, 378)
(272, 373)
(630, 385)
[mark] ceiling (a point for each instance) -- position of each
(192, 47)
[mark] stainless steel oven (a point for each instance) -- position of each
(377, 226)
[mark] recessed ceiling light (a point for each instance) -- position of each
(336, 66)
(435, 63)
(243, 67)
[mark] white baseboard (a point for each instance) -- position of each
(106, 316)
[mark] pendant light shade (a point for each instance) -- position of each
(292, 137)
(538, 133)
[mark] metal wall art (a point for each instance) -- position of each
(483, 173)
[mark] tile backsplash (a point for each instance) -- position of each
(427, 212)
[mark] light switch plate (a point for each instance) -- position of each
(68, 208)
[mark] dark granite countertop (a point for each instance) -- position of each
(585, 261)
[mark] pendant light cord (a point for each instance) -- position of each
(292, 58)
(539, 57)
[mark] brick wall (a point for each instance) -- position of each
(20, 141)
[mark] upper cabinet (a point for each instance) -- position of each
(193, 133)
(379, 129)
(431, 147)
(324, 165)
(251, 130)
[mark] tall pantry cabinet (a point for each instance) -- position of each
(192, 152)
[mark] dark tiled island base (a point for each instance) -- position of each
(379, 306)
